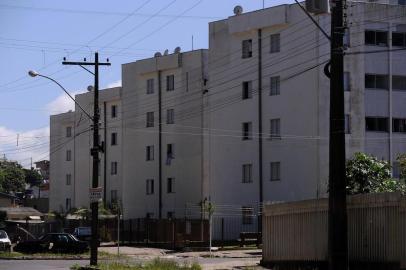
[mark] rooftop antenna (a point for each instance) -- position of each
(237, 10)
(192, 42)
(263, 4)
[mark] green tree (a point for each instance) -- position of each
(367, 174)
(32, 177)
(402, 165)
(12, 177)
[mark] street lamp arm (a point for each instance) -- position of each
(49, 78)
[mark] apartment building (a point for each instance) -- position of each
(242, 123)
(163, 98)
(269, 142)
(70, 160)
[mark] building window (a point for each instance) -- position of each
(113, 111)
(170, 82)
(68, 179)
(378, 38)
(275, 129)
(150, 86)
(68, 132)
(376, 124)
(399, 82)
(247, 48)
(275, 85)
(114, 138)
(396, 170)
(246, 131)
(150, 186)
(247, 215)
(68, 155)
(150, 119)
(149, 215)
(113, 196)
(399, 125)
(247, 90)
(275, 43)
(68, 204)
(169, 153)
(399, 39)
(346, 39)
(347, 87)
(150, 152)
(170, 116)
(170, 214)
(402, 2)
(247, 173)
(187, 82)
(170, 187)
(275, 171)
(347, 124)
(113, 167)
(375, 81)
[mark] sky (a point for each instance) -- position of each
(36, 35)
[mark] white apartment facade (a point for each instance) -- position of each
(71, 163)
(246, 122)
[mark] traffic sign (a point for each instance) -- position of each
(95, 194)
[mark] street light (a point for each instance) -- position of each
(33, 74)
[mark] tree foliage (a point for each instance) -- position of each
(32, 177)
(367, 174)
(12, 177)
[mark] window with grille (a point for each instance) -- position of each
(150, 86)
(376, 81)
(170, 116)
(68, 132)
(275, 43)
(150, 153)
(398, 82)
(377, 38)
(275, 171)
(347, 81)
(170, 82)
(275, 129)
(347, 124)
(247, 48)
(275, 85)
(113, 168)
(150, 119)
(247, 90)
(399, 125)
(377, 124)
(150, 186)
(247, 131)
(170, 188)
(247, 173)
(68, 179)
(68, 155)
(114, 138)
(113, 111)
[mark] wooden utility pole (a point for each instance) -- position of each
(94, 151)
(337, 219)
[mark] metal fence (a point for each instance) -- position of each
(296, 234)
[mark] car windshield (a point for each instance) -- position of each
(3, 234)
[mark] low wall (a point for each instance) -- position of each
(297, 231)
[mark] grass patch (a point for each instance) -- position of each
(157, 264)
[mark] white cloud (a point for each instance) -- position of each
(114, 84)
(62, 103)
(31, 144)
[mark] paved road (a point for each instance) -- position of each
(206, 263)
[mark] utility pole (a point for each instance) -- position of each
(94, 151)
(337, 219)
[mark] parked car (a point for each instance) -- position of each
(5, 243)
(83, 233)
(53, 242)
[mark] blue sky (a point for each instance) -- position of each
(38, 34)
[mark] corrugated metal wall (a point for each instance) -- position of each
(298, 231)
